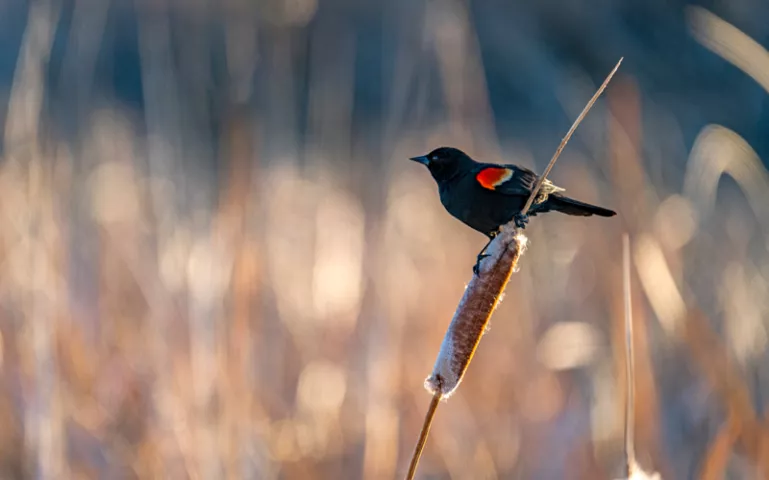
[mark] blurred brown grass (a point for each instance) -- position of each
(275, 317)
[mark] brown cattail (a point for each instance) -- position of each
(474, 311)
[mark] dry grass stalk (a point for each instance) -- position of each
(571, 131)
(629, 359)
(481, 297)
(633, 470)
(423, 434)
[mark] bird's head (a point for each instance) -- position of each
(444, 162)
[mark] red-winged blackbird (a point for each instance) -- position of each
(486, 196)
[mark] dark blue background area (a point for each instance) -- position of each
(527, 49)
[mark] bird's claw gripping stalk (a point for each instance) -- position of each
(521, 220)
(483, 254)
(477, 266)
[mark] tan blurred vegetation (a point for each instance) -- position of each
(178, 301)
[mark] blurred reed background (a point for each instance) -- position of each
(217, 262)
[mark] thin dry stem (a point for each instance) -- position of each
(629, 360)
(566, 139)
(420, 446)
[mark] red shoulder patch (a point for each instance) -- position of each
(492, 177)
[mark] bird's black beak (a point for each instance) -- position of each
(422, 159)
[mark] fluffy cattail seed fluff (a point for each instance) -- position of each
(474, 311)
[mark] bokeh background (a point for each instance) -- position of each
(216, 260)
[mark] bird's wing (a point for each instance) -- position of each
(511, 180)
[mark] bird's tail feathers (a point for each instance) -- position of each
(569, 206)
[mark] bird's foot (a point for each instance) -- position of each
(521, 220)
(477, 266)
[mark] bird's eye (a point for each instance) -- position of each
(435, 158)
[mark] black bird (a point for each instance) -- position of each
(486, 196)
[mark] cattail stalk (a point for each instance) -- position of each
(629, 361)
(481, 298)
(633, 471)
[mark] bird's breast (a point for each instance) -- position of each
(480, 210)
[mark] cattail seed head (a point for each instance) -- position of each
(472, 316)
